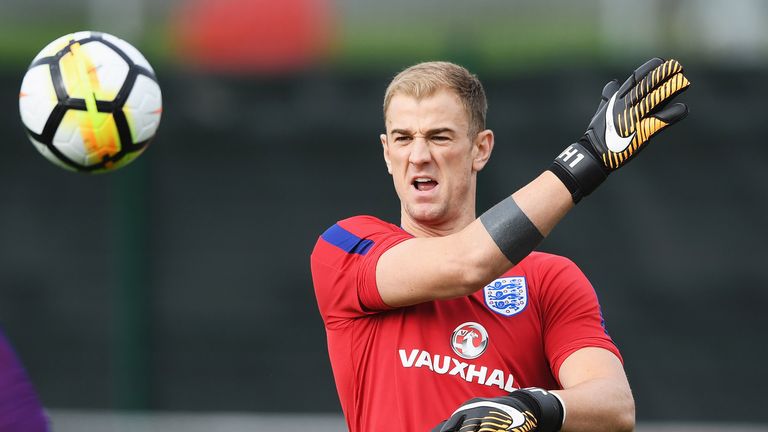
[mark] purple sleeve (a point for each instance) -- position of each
(20, 408)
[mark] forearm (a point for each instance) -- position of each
(516, 232)
(545, 201)
(598, 405)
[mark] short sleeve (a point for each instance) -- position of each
(344, 263)
(572, 317)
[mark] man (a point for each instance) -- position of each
(447, 316)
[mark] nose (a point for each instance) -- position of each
(420, 153)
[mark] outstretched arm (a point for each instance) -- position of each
(428, 268)
(424, 269)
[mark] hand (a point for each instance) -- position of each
(626, 119)
(527, 410)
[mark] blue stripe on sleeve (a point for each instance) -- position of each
(346, 241)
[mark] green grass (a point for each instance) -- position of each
(20, 43)
(501, 46)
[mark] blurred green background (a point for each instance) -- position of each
(181, 283)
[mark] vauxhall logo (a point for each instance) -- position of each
(449, 366)
(469, 340)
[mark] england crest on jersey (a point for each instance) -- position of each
(507, 296)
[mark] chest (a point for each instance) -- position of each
(492, 334)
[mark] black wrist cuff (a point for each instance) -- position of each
(546, 407)
(579, 171)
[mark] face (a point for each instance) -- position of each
(433, 160)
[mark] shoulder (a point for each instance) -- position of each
(343, 265)
(347, 232)
(551, 274)
(364, 225)
(547, 262)
(355, 235)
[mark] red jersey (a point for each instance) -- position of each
(409, 368)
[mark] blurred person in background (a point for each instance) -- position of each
(20, 407)
(451, 316)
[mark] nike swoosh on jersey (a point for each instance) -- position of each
(615, 143)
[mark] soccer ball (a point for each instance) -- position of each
(90, 102)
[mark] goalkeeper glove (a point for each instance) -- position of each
(626, 118)
(526, 410)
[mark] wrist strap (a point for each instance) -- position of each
(547, 407)
(579, 171)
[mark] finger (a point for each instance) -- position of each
(629, 119)
(672, 113)
(654, 124)
(669, 71)
(470, 425)
(609, 90)
(453, 424)
(665, 92)
(496, 423)
(639, 74)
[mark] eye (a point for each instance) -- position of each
(402, 138)
(440, 138)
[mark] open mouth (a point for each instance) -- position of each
(424, 184)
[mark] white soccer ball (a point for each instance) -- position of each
(90, 102)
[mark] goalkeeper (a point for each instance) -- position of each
(448, 321)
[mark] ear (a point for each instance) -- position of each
(481, 149)
(385, 147)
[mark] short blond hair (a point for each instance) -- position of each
(425, 79)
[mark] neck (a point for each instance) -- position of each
(431, 228)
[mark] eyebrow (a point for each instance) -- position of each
(429, 132)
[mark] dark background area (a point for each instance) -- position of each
(182, 281)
